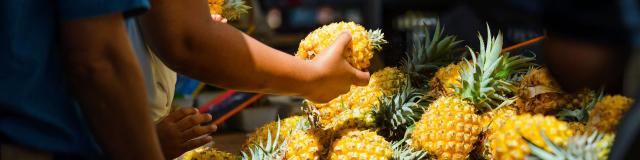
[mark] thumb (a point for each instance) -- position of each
(360, 78)
(338, 46)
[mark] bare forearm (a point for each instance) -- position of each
(107, 83)
(219, 54)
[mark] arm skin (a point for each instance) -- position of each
(107, 81)
(186, 39)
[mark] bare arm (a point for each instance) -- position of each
(188, 41)
(107, 81)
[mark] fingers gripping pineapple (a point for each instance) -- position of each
(360, 50)
(360, 145)
(607, 112)
(230, 9)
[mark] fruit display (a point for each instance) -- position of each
(441, 103)
(229, 9)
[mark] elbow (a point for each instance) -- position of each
(89, 70)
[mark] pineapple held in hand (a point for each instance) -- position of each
(359, 51)
(360, 145)
(230, 9)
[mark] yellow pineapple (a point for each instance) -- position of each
(360, 145)
(607, 112)
(388, 79)
(509, 143)
(359, 51)
(306, 144)
(448, 129)
(444, 80)
(287, 125)
(492, 121)
(208, 153)
(230, 9)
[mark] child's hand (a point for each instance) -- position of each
(218, 18)
(181, 131)
(334, 75)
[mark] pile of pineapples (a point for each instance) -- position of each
(483, 104)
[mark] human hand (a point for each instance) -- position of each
(333, 75)
(218, 18)
(181, 131)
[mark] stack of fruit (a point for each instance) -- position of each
(485, 105)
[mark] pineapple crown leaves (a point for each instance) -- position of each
(270, 150)
(401, 151)
(376, 39)
(583, 147)
(400, 110)
(429, 52)
(485, 79)
(234, 8)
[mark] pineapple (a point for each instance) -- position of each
(230, 9)
(484, 80)
(444, 81)
(286, 126)
(359, 103)
(580, 147)
(363, 145)
(607, 112)
(272, 148)
(492, 121)
(207, 153)
(538, 93)
(403, 152)
(509, 141)
(398, 112)
(448, 129)
(359, 51)
(306, 144)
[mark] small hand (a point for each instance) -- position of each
(218, 18)
(334, 74)
(181, 131)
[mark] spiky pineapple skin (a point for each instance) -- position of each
(287, 125)
(508, 142)
(305, 145)
(448, 129)
(360, 145)
(492, 121)
(389, 79)
(578, 127)
(359, 51)
(207, 153)
(351, 110)
(444, 80)
(607, 112)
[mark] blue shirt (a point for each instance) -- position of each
(36, 108)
